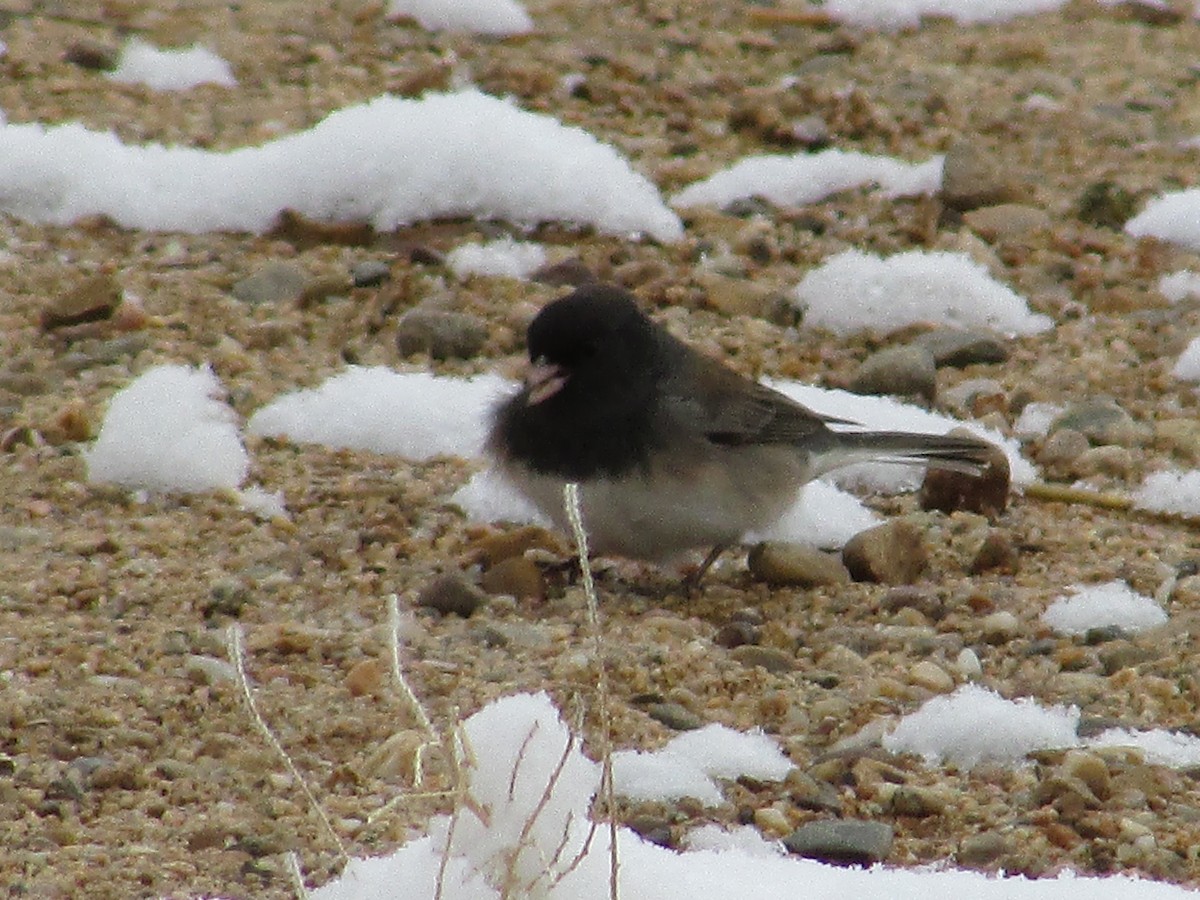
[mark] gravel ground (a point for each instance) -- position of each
(128, 764)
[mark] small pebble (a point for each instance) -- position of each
(275, 282)
(1000, 627)
(736, 634)
(897, 371)
(567, 273)
(673, 715)
(515, 576)
(779, 563)
(501, 545)
(772, 822)
(931, 676)
(370, 273)
(959, 347)
(1101, 421)
(986, 493)
(451, 594)
(440, 334)
(981, 849)
(364, 677)
(997, 553)
(968, 665)
(842, 841)
(970, 179)
(892, 553)
(209, 670)
(1007, 221)
(92, 55)
(768, 658)
(92, 300)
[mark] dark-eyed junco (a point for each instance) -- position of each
(671, 449)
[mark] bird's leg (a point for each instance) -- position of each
(691, 584)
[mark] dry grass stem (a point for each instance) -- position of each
(234, 645)
(575, 517)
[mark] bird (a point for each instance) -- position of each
(671, 449)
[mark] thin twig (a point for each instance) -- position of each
(571, 505)
(292, 861)
(234, 644)
(1063, 493)
(406, 691)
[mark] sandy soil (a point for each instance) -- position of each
(128, 764)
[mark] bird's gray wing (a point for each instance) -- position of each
(727, 408)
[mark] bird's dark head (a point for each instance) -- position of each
(595, 362)
(592, 344)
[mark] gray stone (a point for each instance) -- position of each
(901, 371)
(275, 282)
(673, 715)
(440, 333)
(1100, 420)
(370, 273)
(1006, 221)
(958, 347)
(842, 841)
(970, 179)
(768, 658)
(981, 849)
(780, 563)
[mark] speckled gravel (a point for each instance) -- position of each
(128, 764)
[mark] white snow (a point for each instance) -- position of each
(894, 15)
(742, 839)
(1181, 285)
(808, 177)
(1173, 217)
(1101, 605)
(1035, 419)
(171, 70)
(659, 777)
(1187, 367)
(823, 515)
(687, 765)
(387, 162)
(1158, 746)
(504, 257)
(415, 415)
(975, 725)
(491, 17)
(887, 414)
(169, 430)
(856, 291)
(1172, 492)
(527, 850)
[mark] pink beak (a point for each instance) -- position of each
(543, 380)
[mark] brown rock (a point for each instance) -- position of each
(501, 545)
(779, 563)
(364, 677)
(892, 553)
(568, 273)
(986, 494)
(516, 577)
(970, 179)
(92, 300)
(451, 594)
(1006, 221)
(998, 553)
(92, 55)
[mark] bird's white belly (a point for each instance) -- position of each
(661, 516)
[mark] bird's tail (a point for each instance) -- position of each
(958, 454)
